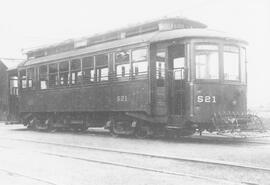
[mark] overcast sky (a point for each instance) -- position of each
(30, 23)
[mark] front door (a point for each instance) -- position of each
(176, 77)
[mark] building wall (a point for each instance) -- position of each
(3, 91)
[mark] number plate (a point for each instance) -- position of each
(206, 99)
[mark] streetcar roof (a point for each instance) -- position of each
(144, 39)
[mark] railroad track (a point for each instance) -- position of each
(194, 160)
(13, 173)
(213, 180)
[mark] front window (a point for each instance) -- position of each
(207, 61)
(231, 63)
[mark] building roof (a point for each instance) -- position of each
(2, 65)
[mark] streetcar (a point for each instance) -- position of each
(171, 74)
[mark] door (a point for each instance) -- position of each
(176, 77)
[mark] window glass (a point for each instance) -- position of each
(178, 68)
(231, 63)
(64, 73)
(160, 68)
(122, 64)
(102, 67)
(23, 79)
(30, 77)
(207, 61)
(53, 75)
(139, 55)
(88, 70)
(43, 77)
(243, 65)
(75, 71)
(140, 68)
(139, 62)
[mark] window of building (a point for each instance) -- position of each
(53, 75)
(139, 62)
(30, 77)
(23, 79)
(88, 70)
(160, 68)
(64, 73)
(243, 65)
(75, 71)
(231, 63)
(207, 61)
(122, 64)
(43, 77)
(102, 68)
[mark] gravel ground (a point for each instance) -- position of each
(241, 153)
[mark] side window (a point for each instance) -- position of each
(23, 80)
(122, 64)
(88, 70)
(160, 68)
(30, 77)
(75, 71)
(102, 67)
(53, 75)
(139, 62)
(243, 65)
(64, 73)
(43, 77)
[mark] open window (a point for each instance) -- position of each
(64, 73)
(53, 75)
(75, 71)
(23, 79)
(30, 77)
(139, 63)
(122, 64)
(88, 70)
(102, 68)
(43, 77)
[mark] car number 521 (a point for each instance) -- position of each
(206, 99)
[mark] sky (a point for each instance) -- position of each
(30, 23)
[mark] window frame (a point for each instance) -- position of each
(98, 69)
(239, 62)
(219, 61)
(127, 75)
(144, 73)
(91, 79)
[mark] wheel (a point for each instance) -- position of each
(112, 128)
(142, 131)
